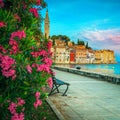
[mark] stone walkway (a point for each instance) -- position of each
(87, 99)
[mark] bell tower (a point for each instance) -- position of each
(46, 25)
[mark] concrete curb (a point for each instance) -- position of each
(56, 111)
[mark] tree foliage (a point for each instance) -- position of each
(61, 37)
(80, 42)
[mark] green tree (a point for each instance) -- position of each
(64, 38)
(86, 45)
(80, 42)
(24, 60)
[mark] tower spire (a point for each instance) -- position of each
(46, 25)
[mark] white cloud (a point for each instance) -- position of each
(112, 35)
(101, 39)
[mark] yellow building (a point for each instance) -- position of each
(107, 56)
(97, 54)
(81, 54)
(104, 56)
(60, 54)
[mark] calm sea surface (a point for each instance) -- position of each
(104, 68)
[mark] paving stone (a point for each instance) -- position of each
(87, 98)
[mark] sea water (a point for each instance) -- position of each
(103, 68)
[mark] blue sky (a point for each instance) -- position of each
(94, 21)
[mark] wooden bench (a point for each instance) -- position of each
(56, 84)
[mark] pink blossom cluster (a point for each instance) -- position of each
(39, 53)
(35, 54)
(47, 61)
(49, 45)
(13, 43)
(12, 108)
(19, 34)
(2, 49)
(17, 17)
(1, 4)
(21, 102)
(6, 63)
(29, 69)
(38, 102)
(18, 116)
(34, 12)
(43, 67)
(2, 24)
(43, 53)
(50, 82)
(34, 65)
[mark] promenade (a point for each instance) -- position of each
(87, 99)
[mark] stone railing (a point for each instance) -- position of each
(102, 76)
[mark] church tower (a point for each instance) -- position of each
(46, 25)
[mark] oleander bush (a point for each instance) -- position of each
(25, 60)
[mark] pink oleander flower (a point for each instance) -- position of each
(43, 53)
(7, 68)
(14, 45)
(1, 4)
(13, 42)
(20, 102)
(12, 107)
(34, 54)
(50, 82)
(19, 34)
(17, 17)
(17, 116)
(48, 61)
(8, 73)
(34, 65)
(2, 24)
(34, 12)
(38, 2)
(43, 67)
(29, 69)
(7, 62)
(49, 45)
(15, 48)
(37, 95)
(37, 103)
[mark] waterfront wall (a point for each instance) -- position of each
(101, 76)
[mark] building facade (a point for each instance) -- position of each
(79, 54)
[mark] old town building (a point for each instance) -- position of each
(104, 56)
(78, 54)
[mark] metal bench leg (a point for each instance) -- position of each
(64, 94)
(55, 87)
